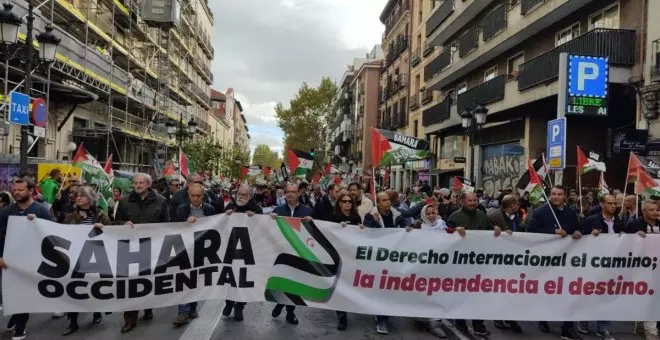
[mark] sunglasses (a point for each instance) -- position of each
(346, 201)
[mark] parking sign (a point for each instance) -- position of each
(587, 82)
(556, 144)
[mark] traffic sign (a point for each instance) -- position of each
(588, 78)
(39, 131)
(39, 113)
(19, 108)
(556, 144)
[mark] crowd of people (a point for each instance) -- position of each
(179, 200)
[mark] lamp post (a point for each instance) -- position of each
(179, 131)
(471, 120)
(48, 43)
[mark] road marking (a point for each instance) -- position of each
(455, 330)
(203, 327)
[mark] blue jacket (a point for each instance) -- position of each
(299, 211)
(543, 221)
(183, 211)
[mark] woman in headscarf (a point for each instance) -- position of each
(431, 220)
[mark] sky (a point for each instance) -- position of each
(265, 49)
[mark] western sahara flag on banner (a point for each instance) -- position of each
(388, 147)
(309, 272)
(65, 268)
(300, 162)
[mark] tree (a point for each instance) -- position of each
(265, 157)
(306, 121)
(204, 152)
(232, 161)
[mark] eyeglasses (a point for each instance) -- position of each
(346, 201)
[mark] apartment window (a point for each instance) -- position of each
(567, 34)
(490, 73)
(453, 146)
(462, 87)
(416, 128)
(420, 12)
(513, 64)
(605, 18)
(418, 83)
(419, 42)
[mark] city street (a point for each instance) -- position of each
(258, 324)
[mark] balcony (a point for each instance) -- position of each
(428, 50)
(655, 66)
(468, 42)
(617, 45)
(460, 13)
(527, 5)
(396, 121)
(520, 28)
(438, 64)
(416, 59)
(400, 46)
(414, 102)
(397, 12)
(484, 93)
(494, 22)
(427, 97)
(401, 82)
(439, 16)
(437, 113)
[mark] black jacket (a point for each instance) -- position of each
(597, 221)
(354, 220)
(304, 200)
(183, 211)
(181, 196)
(323, 210)
(251, 205)
(637, 225)
(153, 209)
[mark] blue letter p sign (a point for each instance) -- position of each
(587, 76)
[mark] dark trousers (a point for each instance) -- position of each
(19, 321)
(289, 308)
(131, 316)
(382, 317)
(341, 315)
(235, 305)
(462, 324)
(73, 317)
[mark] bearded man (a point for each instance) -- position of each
(243, 204)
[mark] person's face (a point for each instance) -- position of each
(292, 194)
(72, 193)
(196, 195)
(140, 185)
(82, 201)
(354, 191)
(513, 208)
(629, 202)
(384, 202)
(334, 193)
(174, 186)
(557, 196)
(346, 202)
(608, 205)
(20, 192)
(116, 193)
(470, 201)
(73, 180)
(431, 214)
(243, 195)
(650, 211)
(590, 195)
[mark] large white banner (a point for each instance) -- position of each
(65, 268)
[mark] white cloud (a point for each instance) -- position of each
(274, 142)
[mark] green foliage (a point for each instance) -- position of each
(265, 157)
(204, 152)
(305, 122)
(232, 161)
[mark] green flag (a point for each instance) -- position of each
(49, 188)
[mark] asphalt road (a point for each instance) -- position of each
(258, 324)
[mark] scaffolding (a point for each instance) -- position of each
(143, 74)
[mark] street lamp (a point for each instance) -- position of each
(179, 131)
(472, 119)
(192, 126)
(9, 27)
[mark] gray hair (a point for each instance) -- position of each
(89, 192)
(146, 177)
(246, 187)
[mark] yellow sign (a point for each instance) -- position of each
(554, 162)
(43, 170)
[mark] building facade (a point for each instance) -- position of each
(504, 55)
(222, 126)
(240, 131)
(118, 79)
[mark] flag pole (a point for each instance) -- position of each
(551, 209)
(547, 172)
(580, 192)
(66, 177)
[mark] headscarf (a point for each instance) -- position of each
(439, 223)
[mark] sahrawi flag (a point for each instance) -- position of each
(636, 162)
(603, 189)
(462, 184)
(589, 161)
(534, 185)
(539, 168)
(390, 147)
(308, 272)
(648, 181)
(300, 162)
(89, 164)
